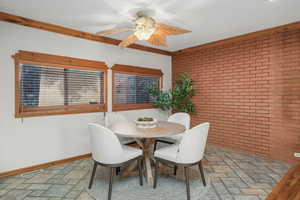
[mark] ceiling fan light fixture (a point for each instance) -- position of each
(144, 34)
(144, 28)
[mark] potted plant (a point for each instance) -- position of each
(178, 98)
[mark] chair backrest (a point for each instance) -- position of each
(112, 117)
(106, 147)
(181, 118)
(192, 146)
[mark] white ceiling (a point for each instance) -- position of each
(209, 20)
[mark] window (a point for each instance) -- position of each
(49, 85)
(130, 87)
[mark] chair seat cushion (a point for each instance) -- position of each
(168, 153)
(173, 139)
(131, 153)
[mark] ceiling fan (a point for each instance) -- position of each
(146, 28)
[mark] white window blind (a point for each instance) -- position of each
(56, 86)
(133, 89)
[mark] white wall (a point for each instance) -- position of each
(38, 140)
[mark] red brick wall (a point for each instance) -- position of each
(249, 91)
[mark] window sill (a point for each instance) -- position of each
(60, 110)
(124, 107)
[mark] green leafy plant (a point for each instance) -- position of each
(178, 98)
(162, 99)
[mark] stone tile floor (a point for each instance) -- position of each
(234, 176)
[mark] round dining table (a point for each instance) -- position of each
(145, 138)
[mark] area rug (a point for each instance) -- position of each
(169, 187)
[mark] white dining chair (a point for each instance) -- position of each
(187, 153)
(113, 117)
(181, 118)
(109, 152)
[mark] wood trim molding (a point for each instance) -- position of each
(27, 57)
(61, 110)
(295, 25)
(6, 17)
(136, 70)
(44, 165)
(123, 107)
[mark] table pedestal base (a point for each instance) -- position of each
(147, 147)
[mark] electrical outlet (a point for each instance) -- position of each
(297, 155)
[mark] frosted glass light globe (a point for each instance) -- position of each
(145, 27)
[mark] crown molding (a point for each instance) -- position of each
(14, 19)
(294, 25)
(6, 17)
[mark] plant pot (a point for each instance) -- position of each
(146, 124)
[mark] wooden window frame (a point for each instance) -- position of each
(33, 58)
(133, 70)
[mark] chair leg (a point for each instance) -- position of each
(187, 182)
(111, 172)
(93, 174)
(140, 170)
(175, 170)
(202, 173)
(155, 145)
(156, 173)
(118, 169)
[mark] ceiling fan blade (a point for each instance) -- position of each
(158, 38)
(128, 41)
(171, 30)
(113, 31)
